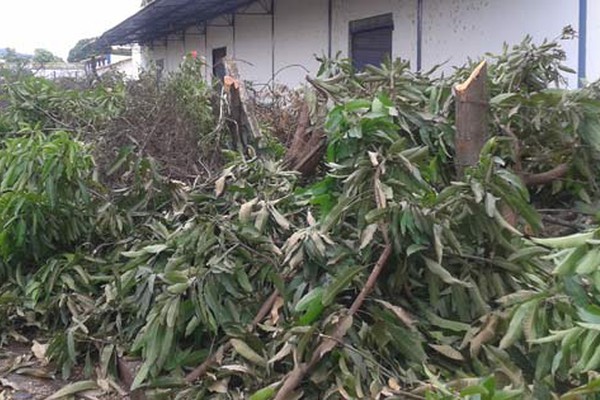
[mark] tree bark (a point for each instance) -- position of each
(308, 146)
(242, 118)
(546, 177)
(472, 104)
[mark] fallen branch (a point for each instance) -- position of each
(212, 358)
(546, 177)
(294, 378)
(307, 146)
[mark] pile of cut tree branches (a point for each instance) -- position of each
(373, 261)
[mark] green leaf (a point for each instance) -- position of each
(314, 296)
(248, 353)
(515, 328)
(442, 273)
(155, 249)
(340, 283)
(73, 389)
(570, 262)
(265, 393)
(141, 375)
(499, 99)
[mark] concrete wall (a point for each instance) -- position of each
(301, 33)
(453, 30)
(253, 47)
(593, 40)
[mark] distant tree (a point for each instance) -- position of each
(42, 57)
(12, 57)
(16, 62)
(82, 50)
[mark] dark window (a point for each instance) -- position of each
(218, 65)
(371, 40)
(160, 67)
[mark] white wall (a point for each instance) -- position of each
(253, 47)
(454, 30)
(593, 40)
(301, 33)
(175, 52)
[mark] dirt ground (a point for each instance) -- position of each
(26, 375)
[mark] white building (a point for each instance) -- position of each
(59, 71)
(126, 61)
(279, 39)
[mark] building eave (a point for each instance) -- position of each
(164, 17)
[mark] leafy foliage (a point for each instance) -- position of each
(42, 57)
(45, 198)
(252, 270)
(83, 49)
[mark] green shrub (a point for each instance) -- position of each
(44, 195)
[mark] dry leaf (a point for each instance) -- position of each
(220, 186)
(220, 354)
(399, 312)
(367, 235)
(380, 195)
(448, 351)
(393, 384)
(39, 351)
(245, 213)
(486, 334)
(221, 386)
(310, 219)
(6, 384)
(275, 310)
(373, 156)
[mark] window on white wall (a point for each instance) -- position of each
(218, 56)
(160, 67)
(371, 40)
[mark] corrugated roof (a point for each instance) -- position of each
(162, 17)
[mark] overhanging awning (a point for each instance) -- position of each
(163, 17)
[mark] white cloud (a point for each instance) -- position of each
(57, 25)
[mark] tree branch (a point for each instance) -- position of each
(294, 378)
(546, 177)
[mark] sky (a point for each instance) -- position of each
(57, 25)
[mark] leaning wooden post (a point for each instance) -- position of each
(472, 104)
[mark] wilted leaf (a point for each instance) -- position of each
(39, 351)
(399, 312)
(448, 351)
(367, 235)
(72, 389)
(247, 352)
(442, 273)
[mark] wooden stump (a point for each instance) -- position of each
(472, 104)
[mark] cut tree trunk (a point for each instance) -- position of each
(242, 118)
(472, 104)
(308, 145)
